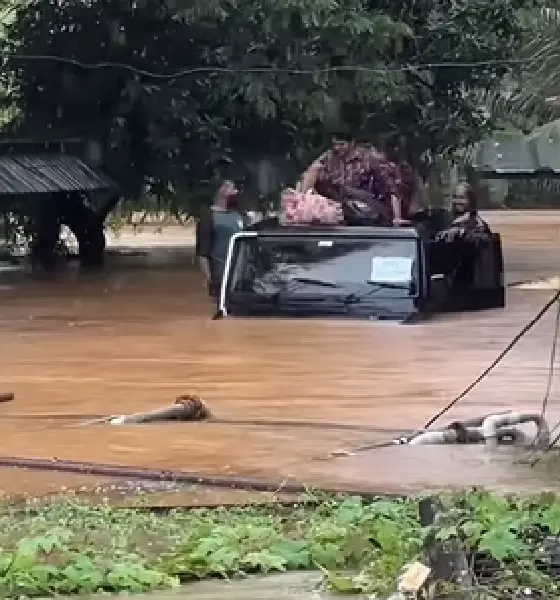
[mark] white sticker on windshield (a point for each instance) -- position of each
(391, 269)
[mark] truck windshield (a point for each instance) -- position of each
(324, 266)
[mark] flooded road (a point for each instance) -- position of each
(139, 335)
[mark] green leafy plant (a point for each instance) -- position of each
(360, 546)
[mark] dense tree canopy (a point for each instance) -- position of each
(181, 131)
(535, 99)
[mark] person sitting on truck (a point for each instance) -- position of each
(468, 232)
(363, 179)
(467, 223)
(214, 229)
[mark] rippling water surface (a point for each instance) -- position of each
(140, 334)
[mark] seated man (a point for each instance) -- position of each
(468, 231)
(465, 209)
(364, 180)
(467, 224)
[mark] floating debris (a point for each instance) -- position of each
(550, 283)
(185, 408)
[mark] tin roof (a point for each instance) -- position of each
(48, 173)
(513, 154)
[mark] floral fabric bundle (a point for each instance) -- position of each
(298, 207)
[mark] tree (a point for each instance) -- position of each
(526, 98)
(527, 104)
(182, 131)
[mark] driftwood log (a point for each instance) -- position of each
(185, 408)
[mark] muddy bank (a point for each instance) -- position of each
(288, 586)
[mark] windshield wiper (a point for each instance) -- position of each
(311, 281)
(285, 289)
(388, 285)
(376, 286)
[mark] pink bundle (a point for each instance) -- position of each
(308, 207)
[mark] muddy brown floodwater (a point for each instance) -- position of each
(140, 334)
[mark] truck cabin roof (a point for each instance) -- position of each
(272, 227)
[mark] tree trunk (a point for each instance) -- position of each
(46, 237)
(84, 222)
(447, 558)
(88, 229)
(441, 183)
(87, 225)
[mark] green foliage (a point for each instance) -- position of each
(531, 95)
(515, 538)
(179, 134)
(68, 548)
(8, 110)
(538, 81)
(360, 546)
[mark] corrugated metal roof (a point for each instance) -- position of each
(511, 153)
(48, 173)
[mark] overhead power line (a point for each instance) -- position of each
(261, 70)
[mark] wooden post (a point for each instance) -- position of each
(447, 559)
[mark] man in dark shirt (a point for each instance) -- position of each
(467, 224)
(215, 228)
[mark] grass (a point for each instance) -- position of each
(70, 548)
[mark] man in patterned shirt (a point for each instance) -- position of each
(364, 179)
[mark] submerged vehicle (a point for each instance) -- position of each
(360, 271)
